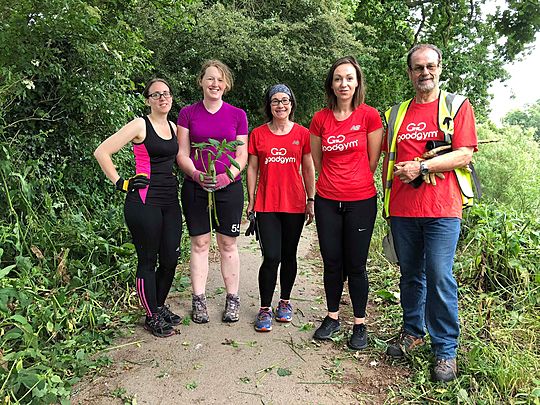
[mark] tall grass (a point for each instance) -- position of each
(66, 279)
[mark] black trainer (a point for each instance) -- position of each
(358, 339)
(169, 316)
(158, 326)
(328, 327)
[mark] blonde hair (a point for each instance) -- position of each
(223, 68)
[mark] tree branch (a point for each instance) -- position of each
(419, 30)
(416, 3)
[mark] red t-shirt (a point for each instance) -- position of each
(345, 174)
(419, 126)
(280, 187)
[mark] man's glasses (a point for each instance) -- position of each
(420, 68)
(284, 101)
(156, 95)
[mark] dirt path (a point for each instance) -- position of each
(231, 363)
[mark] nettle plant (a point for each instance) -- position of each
(214, 150)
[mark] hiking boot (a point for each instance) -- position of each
(169, 316)
(156, 325)
(444, 370)
(284, 311)
(328, 327)
(232, 308)
(263, 322)
(199, 312)
(358, 339)
(405, 343)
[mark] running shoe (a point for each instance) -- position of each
(169, 316)
(284, 311)
(199, 312)
(156, 325)
(358, 339)
(232, 308)
(328, 327)
(263, 322)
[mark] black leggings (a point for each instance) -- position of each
(155, 231)
(279, 234)
(344, 230)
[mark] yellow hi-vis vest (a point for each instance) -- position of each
(449, 105)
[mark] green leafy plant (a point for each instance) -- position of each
(192, 385)
(214, 150)
(283, 372)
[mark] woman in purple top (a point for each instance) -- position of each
(213, 118)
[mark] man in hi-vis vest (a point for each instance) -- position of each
(423, 203)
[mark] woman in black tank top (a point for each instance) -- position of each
(152, 210)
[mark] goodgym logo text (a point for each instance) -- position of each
(279, 156)
(337, 143)
(416, 132)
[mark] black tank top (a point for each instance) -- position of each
(155, 156)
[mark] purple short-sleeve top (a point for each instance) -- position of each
(226, 123)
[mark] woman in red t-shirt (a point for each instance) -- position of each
(346, 139)
(279, 151)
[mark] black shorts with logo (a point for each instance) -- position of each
(229, 206)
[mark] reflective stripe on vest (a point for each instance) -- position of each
(448, 107)
(394, 117)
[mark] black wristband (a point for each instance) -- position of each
(311, 199)
(122, 185)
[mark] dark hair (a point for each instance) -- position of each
(146, 91)
(268, 108)
(422, 46)
(223, 68)
(360, 92)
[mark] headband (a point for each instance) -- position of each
(279, 88)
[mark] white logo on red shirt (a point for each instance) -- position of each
(279, 157)
(338, 143)
(296, 142)
(355, 127)
(279, 152)
(416, 127)
(335, 139)
(415, 132)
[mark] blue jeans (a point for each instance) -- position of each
(425, 248)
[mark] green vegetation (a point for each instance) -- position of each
(214, 150)
(71, 74)
(529, 117)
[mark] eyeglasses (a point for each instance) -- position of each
(284, 101)
(420, 68)
(156, 95)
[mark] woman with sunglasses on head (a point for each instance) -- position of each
(152, 210)
(213, 118)
(279, 155)
(346, 139)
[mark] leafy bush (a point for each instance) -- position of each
(505, 168)
(500, 251)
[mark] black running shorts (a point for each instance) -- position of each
(229, 205)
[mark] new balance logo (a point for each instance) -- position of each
(355, 127)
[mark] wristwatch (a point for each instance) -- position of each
(423, 168)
